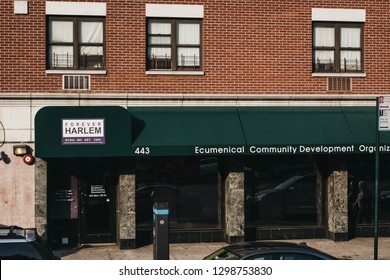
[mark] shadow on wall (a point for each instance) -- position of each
(5, 158)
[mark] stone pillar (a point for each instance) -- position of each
(234, 207)
(126, 211)
(337, 186)
(41, 197)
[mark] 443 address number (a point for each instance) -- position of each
(142, 151)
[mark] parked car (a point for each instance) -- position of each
(17, 243)
(271, 250)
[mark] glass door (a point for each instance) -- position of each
(97, 211)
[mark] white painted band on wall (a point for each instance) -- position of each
(76, 8)
(174, 11)
(341, 15)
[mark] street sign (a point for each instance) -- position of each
(382, 124)
(384, 113)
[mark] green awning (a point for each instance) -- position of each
(108, 131)
(172, 131)
(309, 130)
(362, 122)
(82, 131)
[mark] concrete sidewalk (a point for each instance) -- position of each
(355, 249)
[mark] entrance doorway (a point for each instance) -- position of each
(81, 201)
(97, 213)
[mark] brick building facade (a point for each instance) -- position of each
(271, 91)
(257, 37)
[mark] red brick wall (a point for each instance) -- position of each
(249, 47)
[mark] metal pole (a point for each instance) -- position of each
(376, 182)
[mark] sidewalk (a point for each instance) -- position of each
(355, 249)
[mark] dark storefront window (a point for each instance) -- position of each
(280, 191)
(63, 211)
(362, 168)
(188, 184)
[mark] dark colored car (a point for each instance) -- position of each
(18, 243)
(271, 250)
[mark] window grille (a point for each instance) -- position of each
(76, 82)
(339, 84)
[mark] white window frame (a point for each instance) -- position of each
(178, 12)
(339, 15)
(76, 9)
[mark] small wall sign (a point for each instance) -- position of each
(384, 113)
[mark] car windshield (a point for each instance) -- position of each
(222, 254)
(19, 251)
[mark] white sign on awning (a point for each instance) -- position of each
(83, 131)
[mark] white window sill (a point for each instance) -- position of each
(164, 72)
(346, 75)
(77, 72)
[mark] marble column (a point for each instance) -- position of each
(126, 211)
(234, 207)
(41, 197)
(337, 186)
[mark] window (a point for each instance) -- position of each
(362, 167)
(190, 186)
(337, 47)
(173, 44)
(76, 43)
(281, 191)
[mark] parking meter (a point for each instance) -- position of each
(160, 231)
